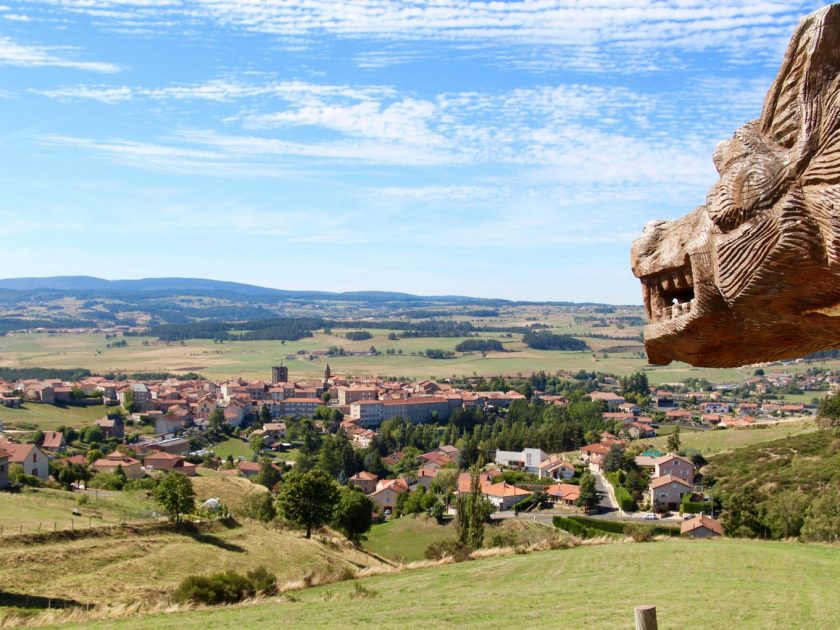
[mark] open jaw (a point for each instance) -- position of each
(669, 294)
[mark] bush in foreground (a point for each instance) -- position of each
(226, 588)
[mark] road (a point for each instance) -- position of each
(608, 503)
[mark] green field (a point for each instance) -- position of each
(726, 584)
(50, 417)
(720, 440)
(406, 538)
(233, 446)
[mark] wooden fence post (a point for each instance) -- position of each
(646, 618)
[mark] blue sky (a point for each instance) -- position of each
(496, 149)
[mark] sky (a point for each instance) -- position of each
(507, 149)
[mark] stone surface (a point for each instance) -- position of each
(754, 273)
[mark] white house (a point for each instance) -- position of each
(528, 459)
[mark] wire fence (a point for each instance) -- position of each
(64, 511)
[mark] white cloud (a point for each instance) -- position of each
(581, 29)
(13, 53)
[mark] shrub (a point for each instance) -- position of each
(503, 539)
(147, 483)
(454, 549)
(638, 533)
(258, 506)
(263, 582)
(222, 588)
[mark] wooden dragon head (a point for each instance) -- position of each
(754, 274)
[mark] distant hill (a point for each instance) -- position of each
(88, 284)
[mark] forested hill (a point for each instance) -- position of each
(90, 284)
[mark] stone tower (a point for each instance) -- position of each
(279, 374)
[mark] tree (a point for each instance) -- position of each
(589, 497)
(823, 520)
(743, 515)
(786, 512)
(256, 442)
(175, 495)
(268, 476)
(217, 419)
(674, 441)
(308, 499)
(614, 458)
(352, 514)
(128, 401)
(473, 511)
(265, 414)
(828, 415)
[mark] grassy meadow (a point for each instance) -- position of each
(50, 417)
(726, 584)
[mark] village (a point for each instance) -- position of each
(158, 426)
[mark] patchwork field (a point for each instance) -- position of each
(728, 584)
(253, 359)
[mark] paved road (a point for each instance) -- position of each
(608, 504)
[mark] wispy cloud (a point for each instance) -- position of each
(13, 53)
(588, 32)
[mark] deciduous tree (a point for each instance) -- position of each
(308, 499)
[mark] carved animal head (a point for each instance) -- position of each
(754, 274)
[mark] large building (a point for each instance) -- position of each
(417, 410)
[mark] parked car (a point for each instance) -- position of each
(650, 516)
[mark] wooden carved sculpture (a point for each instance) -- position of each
(754, 274)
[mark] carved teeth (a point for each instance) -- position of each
(668, 294)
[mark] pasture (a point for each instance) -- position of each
(741, 584)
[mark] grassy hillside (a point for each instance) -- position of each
(807, 460)
(718, 441)
(724, 584)
(147, 563)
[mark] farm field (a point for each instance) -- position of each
(718, 441)
(253, 359)
(734, 584)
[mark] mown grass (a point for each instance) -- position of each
(726, 584)
(233, 446)
(405, 539)
(50, 417)
(721, 440)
